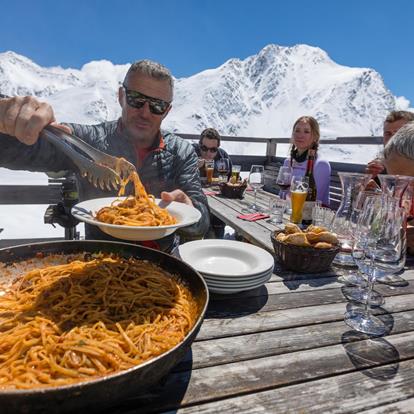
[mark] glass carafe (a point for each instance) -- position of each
(352, 184)
(395, 185)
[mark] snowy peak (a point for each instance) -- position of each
(261, 95)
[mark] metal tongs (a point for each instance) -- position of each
(101, 169)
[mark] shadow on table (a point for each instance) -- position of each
(167, 395)
(238, 304)
(369, 355)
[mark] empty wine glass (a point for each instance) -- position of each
(284, 177)
(256, 180)
(372, 225)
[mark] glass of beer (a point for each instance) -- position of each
(298, 192)
(209, 170)
(235, 172)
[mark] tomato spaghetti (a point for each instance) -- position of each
(71, 322)
(140, 210)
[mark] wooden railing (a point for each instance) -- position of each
(50, 194)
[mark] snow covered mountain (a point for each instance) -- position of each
(260, 96)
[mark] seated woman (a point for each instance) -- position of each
(305, 134)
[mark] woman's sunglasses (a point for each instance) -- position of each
(137, 100)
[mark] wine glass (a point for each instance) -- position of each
(372, 225)
(284, 177)
(256, 180)
(223, 168)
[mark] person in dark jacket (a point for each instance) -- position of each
(208, 148)
(166, 163)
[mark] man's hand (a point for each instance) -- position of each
(176, 195)
(25, 117)
(372, 186)
(375, 167)
(410, 238)
(201, 162)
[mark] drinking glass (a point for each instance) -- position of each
(223, 167)
(235, 172)
(298, 192)
(277, 206)
(209, 170)
(256, 180)
(372, 226)
(283, 180)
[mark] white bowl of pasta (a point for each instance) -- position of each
(118, 217)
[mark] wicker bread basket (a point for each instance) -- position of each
(232, 191)
(303, 259)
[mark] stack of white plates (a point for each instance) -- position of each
(228, 266)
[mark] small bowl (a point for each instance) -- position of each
(303, 259)
(232, 191)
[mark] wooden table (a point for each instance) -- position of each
(284, 347)
(227, 210)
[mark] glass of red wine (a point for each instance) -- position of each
(283, 180)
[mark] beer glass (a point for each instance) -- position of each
(298, 192)
(235, 172)
(209, 170)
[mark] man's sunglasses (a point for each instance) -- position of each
(137, 100)
(207, 149)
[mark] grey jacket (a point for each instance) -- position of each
(172, 167)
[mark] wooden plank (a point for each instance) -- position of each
(209, 384)
(348, 393)
(257, 345)
(30, 194)
(276, 287)
(266, 303)
(400, 407)
(245, 323)
(249, 230)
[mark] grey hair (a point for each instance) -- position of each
(402, 142)
(152, 69)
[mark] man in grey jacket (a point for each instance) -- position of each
(166, 163)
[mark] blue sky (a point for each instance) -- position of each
(189, 36)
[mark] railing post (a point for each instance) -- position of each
(271, 147)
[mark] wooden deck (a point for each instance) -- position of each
(284, 348)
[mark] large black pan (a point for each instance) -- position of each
(104, 391)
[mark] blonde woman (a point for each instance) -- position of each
(305, 135)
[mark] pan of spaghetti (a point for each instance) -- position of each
(136, 217)
(86, 324)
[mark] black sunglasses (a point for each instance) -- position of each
(207, 149)
(137, 100)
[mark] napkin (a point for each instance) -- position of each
(253, 216)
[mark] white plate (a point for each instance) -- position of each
(225, 291)
(185, 215)
(232, 285)
(226, 257)
(236, 279)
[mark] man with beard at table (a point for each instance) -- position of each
(166, 163)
